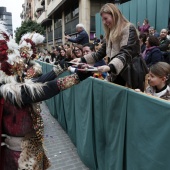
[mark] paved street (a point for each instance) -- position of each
(60, 150)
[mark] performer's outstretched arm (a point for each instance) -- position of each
(25, 94)
(57, 70)
(50, 89)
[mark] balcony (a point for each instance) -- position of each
(42, 17)
(38, 6)
(44, 20)
(52, 6)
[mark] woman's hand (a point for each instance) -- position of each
(137, 90)
(103, 68)
(76, 60)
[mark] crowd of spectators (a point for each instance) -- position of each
(150, 40)
(154, 46)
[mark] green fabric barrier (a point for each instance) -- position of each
(45, 66)
(162, 14)
(156, 11)
(120, 8)
(113, 127)
(99, 25)
(109, 110)
(84, 122)
(141, 6)
(133, 12)
(147, 133)
(59, 110)
(151, 12)
(126, 8)
(69, 112)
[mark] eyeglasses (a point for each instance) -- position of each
(76, 50)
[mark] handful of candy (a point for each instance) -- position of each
(83, 70)
(83, 67)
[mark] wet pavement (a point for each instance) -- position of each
(60, 150)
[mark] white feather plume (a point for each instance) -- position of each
(24, 44)
(14, 56)
(11, 86)
(35, 37)
(38, 38)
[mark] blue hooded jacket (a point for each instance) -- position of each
(153, 55)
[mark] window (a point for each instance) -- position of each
(75, 12)
(68, 17)
(49, 28)
(72, 11)
(75, 9)
(57, 23)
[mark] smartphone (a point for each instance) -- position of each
(65, 33)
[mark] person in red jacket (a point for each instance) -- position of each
(144, 28)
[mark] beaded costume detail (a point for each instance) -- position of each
(33, 155)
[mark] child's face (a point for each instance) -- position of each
(154, 80)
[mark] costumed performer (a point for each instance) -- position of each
(21, 125)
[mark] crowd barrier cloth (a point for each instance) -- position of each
(113, 127)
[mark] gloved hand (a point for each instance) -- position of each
(83, 74)
(63, 63)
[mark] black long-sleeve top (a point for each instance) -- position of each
(49, 87)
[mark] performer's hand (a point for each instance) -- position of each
(103, 68)
(83, 74)
(63, 64)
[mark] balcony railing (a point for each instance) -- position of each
(52, 6)
(42, 17)
(38, 6)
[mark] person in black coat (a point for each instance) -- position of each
(164, 45)
(82, 37)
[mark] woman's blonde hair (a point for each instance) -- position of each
(119, 21)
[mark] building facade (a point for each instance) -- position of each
(7, 18)
(27, 12)
(61, 16)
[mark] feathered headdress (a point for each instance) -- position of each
(9, 51)
(28, 44)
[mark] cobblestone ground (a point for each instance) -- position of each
(60, 150)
